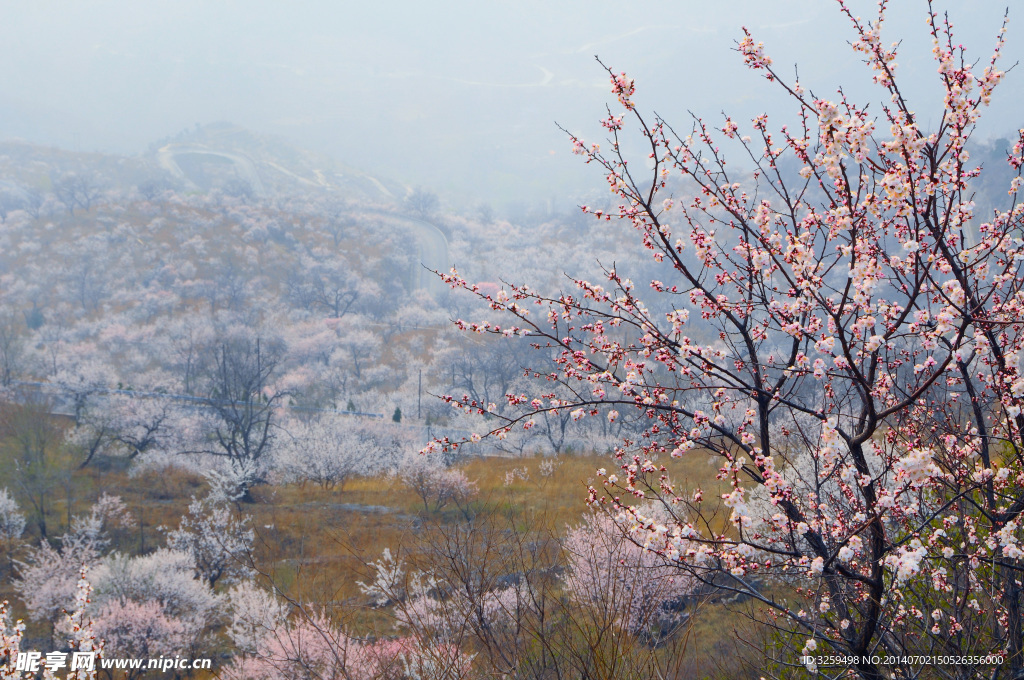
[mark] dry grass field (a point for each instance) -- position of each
(314, 545)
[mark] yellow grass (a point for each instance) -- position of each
(314, 544)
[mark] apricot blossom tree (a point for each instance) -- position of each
(218, 539)
(77, 628)
(626, 584)
(840, 329)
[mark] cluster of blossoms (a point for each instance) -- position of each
(753, 53)
(850, 352)
(79, 638)
(608, 570)
(315, 647)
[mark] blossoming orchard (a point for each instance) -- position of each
(769, 427)
(840, 326)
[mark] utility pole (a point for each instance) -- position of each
(419, 395)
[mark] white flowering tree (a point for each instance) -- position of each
(434, 484)
(217, 537)
(840, 329)
(80, 637)
(255, 614)
(327, 450)
(625, 584)
(48, 578)
(308, 644)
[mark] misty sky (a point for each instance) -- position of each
(460, 96)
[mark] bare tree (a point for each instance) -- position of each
(422, 202)
(33, 204)
(325, 283)
(75, 191)
(239, 393)
(239, 188)
(153, 187)
(492, 586)
(10, 200)
(339, 224)
(11, 347)
(39, 461)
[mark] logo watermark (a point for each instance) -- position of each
(33, 662)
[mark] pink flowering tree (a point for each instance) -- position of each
(841, 331)
(155, 602)
(311, 646)
(134, 629)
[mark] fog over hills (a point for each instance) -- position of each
(217, 156)
(460, 97)
(405, 341)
